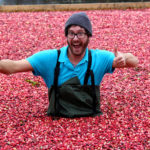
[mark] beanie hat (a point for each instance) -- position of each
(80, 19)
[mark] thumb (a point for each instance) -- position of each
(116, 52)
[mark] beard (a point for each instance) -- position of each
(78, 48)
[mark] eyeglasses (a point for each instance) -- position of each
(80, 35)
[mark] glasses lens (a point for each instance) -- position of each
(80, 35)
(71, 35)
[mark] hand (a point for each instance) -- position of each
(119, 61)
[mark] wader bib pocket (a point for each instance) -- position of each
(72, 99)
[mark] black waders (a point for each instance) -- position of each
(72, 99)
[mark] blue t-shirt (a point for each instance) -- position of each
(44, 63)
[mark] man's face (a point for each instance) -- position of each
(78, 42)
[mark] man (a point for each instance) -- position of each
(73, 73)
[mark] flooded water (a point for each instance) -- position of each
(29, 2)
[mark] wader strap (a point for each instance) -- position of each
(88, 69)
(90, 73)
(56, 81)
(93, 91)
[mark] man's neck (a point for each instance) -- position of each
(75, 59)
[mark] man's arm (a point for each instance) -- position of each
(124, 60)
(9, 66)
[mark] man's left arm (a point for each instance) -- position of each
(124, 60)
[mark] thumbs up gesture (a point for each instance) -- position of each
(119, 61)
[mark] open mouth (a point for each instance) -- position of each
(76, 45)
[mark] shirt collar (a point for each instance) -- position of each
(64, 57)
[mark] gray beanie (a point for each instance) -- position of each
(80, 19)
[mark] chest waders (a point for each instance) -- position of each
(72, 99)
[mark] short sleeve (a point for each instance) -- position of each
(43, 64)
(102, 62)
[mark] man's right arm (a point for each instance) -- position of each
(10, 66)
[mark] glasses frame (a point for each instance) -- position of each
(79, 35)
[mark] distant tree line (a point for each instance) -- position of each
(20, 2)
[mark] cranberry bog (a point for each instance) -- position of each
(125, 94)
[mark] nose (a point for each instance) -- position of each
(75, 37)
